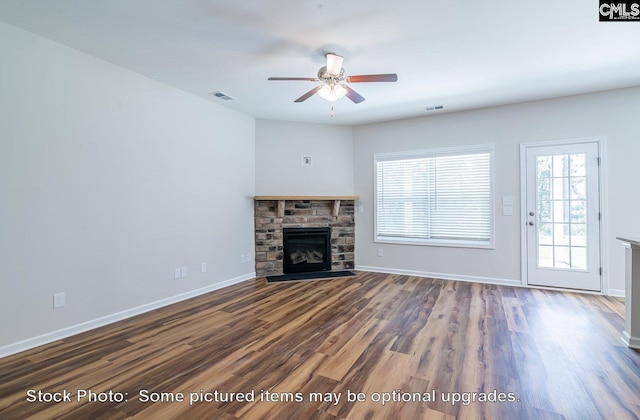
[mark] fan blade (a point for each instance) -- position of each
(355, 97)
(391, 77)
(308, 94)
(334, 63)
(309, 79)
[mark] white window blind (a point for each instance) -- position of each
(441, 196)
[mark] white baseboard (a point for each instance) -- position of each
(632, 342)
(119, 316)
(474, 279)
(616, 293)
(458, 277)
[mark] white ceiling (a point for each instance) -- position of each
(462, 54)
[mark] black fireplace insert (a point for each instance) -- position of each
(306, 249)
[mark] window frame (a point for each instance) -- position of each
(430, 153)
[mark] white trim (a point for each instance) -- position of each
(476, 279)
(562, 289)
(435, 242)
(604, 220)
(60, 334)
(443, 276)
(439, 151)
(632, 342)
(523, 215)
(602, 195)
(616, 292)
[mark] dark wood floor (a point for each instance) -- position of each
(443, 347)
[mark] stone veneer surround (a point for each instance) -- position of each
(317, 212)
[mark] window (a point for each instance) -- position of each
(435, 197)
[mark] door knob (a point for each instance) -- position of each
(530, 223)
(531, 213)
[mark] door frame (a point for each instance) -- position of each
(602, 202)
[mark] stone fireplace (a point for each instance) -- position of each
(275, 215)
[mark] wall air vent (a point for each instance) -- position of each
(221, 95)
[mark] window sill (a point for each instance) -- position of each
(435, 242)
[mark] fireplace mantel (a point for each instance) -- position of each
(282, 198)
(306, 197)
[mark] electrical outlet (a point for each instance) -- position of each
(243, 259)
(248, 257)
(204, 267)
(59, 300)
(184, 272)
(177, 274)
(380, 252)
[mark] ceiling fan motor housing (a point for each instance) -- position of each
(326, 77)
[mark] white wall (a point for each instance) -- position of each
(280, 147)
(609, 114)
(109, 181)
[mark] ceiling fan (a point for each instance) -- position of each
(334, 81)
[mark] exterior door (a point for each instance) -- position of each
(563, 216)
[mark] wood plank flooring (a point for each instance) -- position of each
(373, 346)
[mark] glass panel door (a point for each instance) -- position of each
(561, 203)
(563, 216)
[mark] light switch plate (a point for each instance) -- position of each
(507, 200)
(307, 160)
(507, 211)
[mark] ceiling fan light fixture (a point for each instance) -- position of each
(334, 64)
(332, 92)
(335, 82)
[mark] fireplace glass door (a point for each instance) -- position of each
(306, 249)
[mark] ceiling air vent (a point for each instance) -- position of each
(221, 95)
